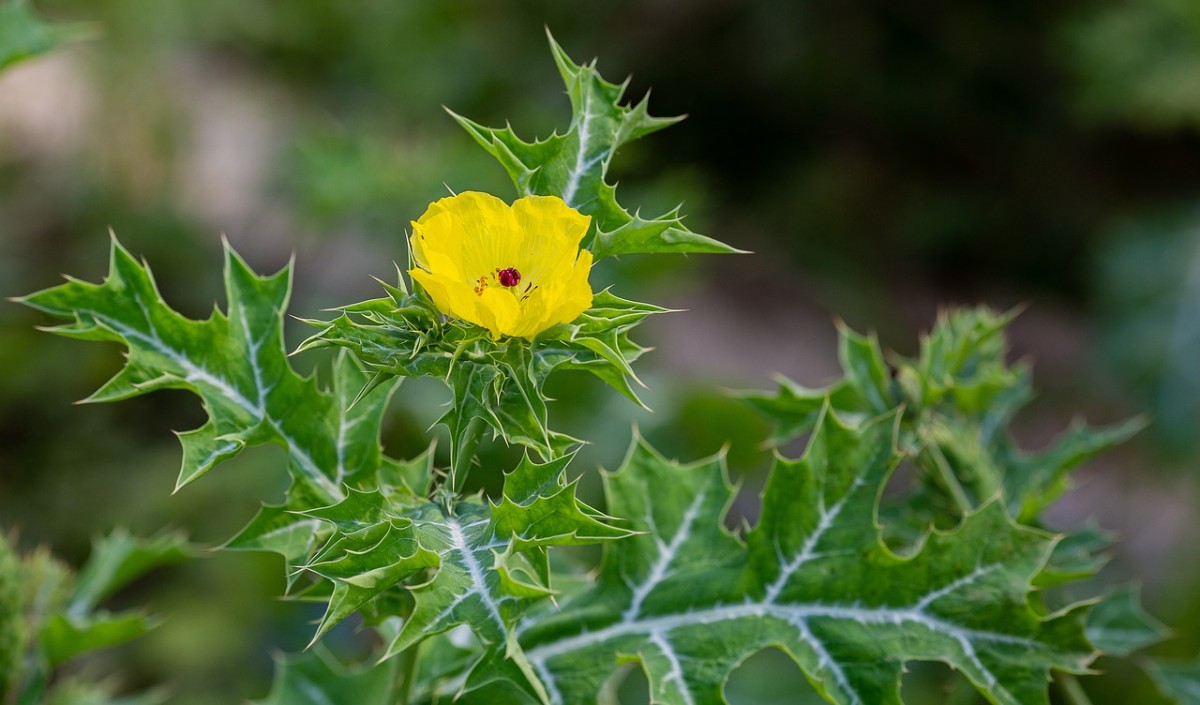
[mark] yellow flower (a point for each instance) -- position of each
(515, 270)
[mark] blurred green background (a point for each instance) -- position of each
(882, 159)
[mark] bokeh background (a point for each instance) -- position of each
(882, 160)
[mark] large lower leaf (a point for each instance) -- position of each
(450, 561)
(689, 600)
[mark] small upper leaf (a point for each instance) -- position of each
(573, 165)
(539, 508)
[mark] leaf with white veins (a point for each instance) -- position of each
(690, 600)
(573, 165)
(234, 361)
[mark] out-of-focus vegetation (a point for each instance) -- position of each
(917, 154)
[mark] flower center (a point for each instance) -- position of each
(509, 277)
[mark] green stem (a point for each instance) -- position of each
(407, 671)
(1072, 690)
(35, 687)
(463, 452)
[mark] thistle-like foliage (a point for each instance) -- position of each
(958, 571)
(675, 590)
(49, 615)
(573, 165)
(690, 601)
(959, 396)
(317, 678)
(354, 518)
(497, 384)
(234, 361)
(14, 636)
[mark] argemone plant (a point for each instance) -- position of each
(466, 593)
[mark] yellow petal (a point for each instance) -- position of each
(498, 311)
(441, 290)
(578, 295)
(483, 231)
(462, 243)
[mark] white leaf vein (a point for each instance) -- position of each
(667, 553)
(656, 628)
(581, 164)
(478, 585)
(675, 675)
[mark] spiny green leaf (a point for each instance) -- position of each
(1078, 555)
(282, 529)
(958, 397)
(297, 527)
(118, 559)
(493, 567)
(573, 166)
(464, 561)
(66, 636)
(690, 601)
(414, 476)
(496, 385)
(539, 508)
(465, 589)
(236, 363)
(795, 408)
(1119, 626)
(964, 356)
(598, 342)
(365, 562)
(1034, 481)
(1178, 680)
(866, 371)
(317, 678)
